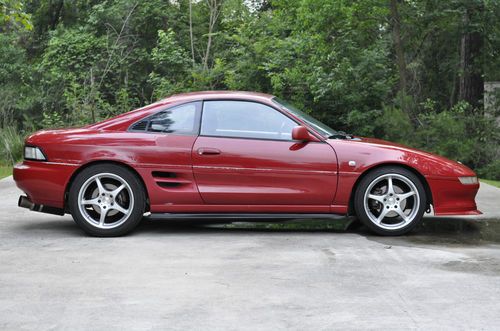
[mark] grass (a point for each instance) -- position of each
(11, 145)
(5, 171)
(491, 182)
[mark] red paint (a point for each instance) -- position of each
(215, 174)
(300, 133)
(264, 172)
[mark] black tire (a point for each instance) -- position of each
(381, 228)
(137, 208)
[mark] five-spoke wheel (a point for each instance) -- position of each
(390, 200)
(107, 200)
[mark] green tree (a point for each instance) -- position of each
(12, 15)
(409, 71)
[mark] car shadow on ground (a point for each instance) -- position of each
(433, 231)
(436, 231)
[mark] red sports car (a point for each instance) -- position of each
(226, 155)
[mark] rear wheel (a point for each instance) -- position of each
(390, 201)
(107, 200)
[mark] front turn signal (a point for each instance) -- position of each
(468, 180)
(33, 153)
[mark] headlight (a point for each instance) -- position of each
(33, 153)
(468, 180)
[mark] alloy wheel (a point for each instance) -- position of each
(105, 200)
(391, 201)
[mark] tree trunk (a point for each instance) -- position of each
(92, 103)
(209, 41)
(471, 84)
(191, 29)
(214, 7)
(56, 15)
(398, 46)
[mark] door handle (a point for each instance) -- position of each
(208, 151)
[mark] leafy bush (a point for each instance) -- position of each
(458, 133)
(171, 63)
(52, 120)
(395, 125)
(490, 171)
(445, 133)
(362, 123)
(11, 146)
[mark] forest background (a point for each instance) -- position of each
(410, 71)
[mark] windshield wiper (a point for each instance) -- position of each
(340, 135)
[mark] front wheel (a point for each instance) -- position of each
(107, 200)
(390, 201)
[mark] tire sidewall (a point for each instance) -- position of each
(137, 209)
(363, 186)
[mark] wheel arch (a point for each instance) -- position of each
(427, 188)
(92, 163)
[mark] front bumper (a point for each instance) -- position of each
(44, 182)
(451, 197)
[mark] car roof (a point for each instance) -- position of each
(123, 120)
(216, 95)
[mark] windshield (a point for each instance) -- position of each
(323, 129)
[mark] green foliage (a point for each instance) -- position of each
(85, 61)
(12, 14)
(453, 133)
(395, 125)
(11, 145)
(443, 133)
(171, 65)
(491, 170)
(366, 123)
(52, 120)
(5, 171)
(72, 68)
(491, 182)
(492, 40)
(72, 54)
(16, 78)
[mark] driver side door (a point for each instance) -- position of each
(245, 157)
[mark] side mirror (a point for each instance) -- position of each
(300, 133)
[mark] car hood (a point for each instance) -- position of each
(387, 144)
(398, 152)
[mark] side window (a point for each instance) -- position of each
(244, 119)
(182, 119)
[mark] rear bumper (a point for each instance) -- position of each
(451, 197)
(44, 182)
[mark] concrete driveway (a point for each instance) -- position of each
(164, 276)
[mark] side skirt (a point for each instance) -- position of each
(242, 217)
